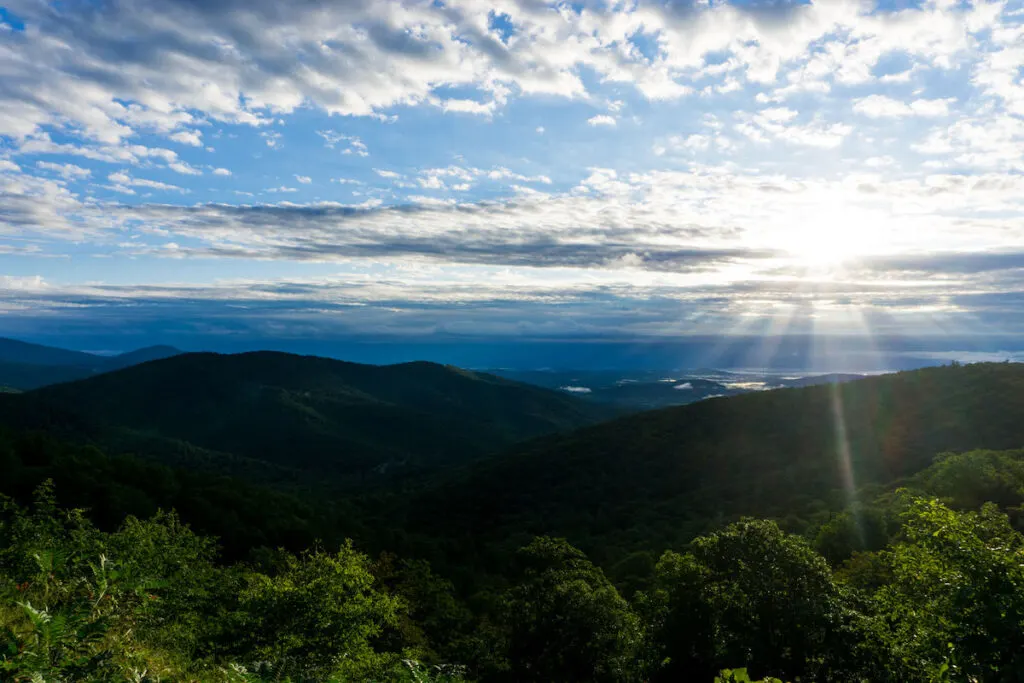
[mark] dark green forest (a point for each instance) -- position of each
(869, 531)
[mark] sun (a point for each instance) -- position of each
(829, 244)
(820, 254)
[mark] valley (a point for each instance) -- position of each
(459, 473)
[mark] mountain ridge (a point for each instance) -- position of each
(318, 414)
(672, 473)
(26, 366)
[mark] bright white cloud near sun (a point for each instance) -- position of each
(472, 167)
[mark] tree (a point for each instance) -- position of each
(566, 622)
(956, 599)
(318, 616)
(751, 596)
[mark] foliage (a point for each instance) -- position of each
(564, 621)
(968, 480)
(956, 600)
(740, 676)
(149, 601)
(317, 616)
(754, 595)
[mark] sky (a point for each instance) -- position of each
(513, 173)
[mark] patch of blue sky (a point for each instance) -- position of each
(9, 18)
(501, 23)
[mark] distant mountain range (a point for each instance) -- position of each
(647, 390)
(268, 412)
(25, 366)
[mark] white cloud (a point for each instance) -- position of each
(782, 125)
(304, 179)
(188, 137)
(350, 144)
(67, 171)
(122, 181)
(880, 106)
(354, 64)
(184, 168)
(602, 120)
(577, 390)
(470, 107)
(772, 161)
(431, 182)
(778, 115)
(272, 138)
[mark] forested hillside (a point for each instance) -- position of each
(942, 599)
(659, 478)
(347, 421)
(627, 551)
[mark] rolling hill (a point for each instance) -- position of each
(656, 479)
(308, 414)
(15, 351)
(26, 366)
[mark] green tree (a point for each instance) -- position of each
(969, 480)
(751, 596)
(566, 622)
(318, 616)
(956, 599)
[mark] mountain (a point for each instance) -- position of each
(26, 366)
(25, 376)
(637, 390)
(346, 421)
(137, 356)
(657, 479)
(813, 380)
(14, 351)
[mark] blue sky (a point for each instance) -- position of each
(247, 173)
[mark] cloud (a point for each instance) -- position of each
(304, 179)
(833, 156)
(602, 120)
(577, 390)
(191, 62)
(684, 386)
(122, 181)
(183, 168)
(942, 264)
(66, 171)
(470, 107)
(350, 144)
(272, 138)
(880, 106)
(516, 234)
(494, 303)
(188, 137)
(781, 124)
